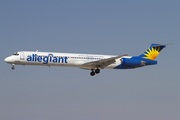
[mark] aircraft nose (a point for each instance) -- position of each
(8, 60)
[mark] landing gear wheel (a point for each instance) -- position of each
(97, 71)
(12, 67)
(92, 73)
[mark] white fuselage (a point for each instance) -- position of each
(58, 59)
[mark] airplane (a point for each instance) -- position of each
(93, 62)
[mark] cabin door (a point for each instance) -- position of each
(21, 56)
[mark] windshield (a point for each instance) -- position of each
(16, 54)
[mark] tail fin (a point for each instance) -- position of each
(153, 51)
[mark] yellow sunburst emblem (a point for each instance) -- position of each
(50, 55)
(152, 53)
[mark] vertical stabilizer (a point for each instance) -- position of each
(153, 51)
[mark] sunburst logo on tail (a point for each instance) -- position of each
(152, 53)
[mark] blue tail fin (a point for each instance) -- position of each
(153, 51)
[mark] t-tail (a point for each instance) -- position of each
(153, 51)
(147, 58)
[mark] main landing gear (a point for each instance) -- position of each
(12, 67)
(95, 72)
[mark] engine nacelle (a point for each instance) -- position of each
(132, 62)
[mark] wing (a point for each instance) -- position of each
(101, 64)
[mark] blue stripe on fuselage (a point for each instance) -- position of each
(147, 62)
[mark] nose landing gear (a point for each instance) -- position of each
(12, 67)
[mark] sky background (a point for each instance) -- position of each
(113, 27)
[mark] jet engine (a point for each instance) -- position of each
(132, 62)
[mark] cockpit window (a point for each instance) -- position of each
(16, 54)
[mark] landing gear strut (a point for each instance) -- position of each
(12, 67)
(96, 72)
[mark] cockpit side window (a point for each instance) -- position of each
(16, 54)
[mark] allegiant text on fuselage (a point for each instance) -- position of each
(47, 59)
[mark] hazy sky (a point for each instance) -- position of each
(112, 27)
